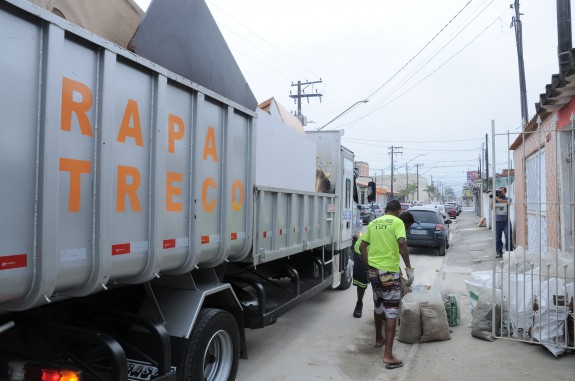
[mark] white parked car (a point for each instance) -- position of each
(443, 212)
(377, 210)
(438, 208)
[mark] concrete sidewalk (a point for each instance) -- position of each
(465, 357)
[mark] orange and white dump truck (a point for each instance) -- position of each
(147, 218)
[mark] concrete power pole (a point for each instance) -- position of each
(487, 157)
(519, 43)
(392, 151)
(406, 179)
(301, 94)
(417, 174)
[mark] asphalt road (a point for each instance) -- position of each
(320, 340)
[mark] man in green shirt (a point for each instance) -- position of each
(385, 237)
(360, 279)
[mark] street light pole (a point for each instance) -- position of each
(349, 108)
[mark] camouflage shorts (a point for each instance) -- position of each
(386, 292)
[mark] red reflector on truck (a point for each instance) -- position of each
(121, 248)
(233, 236)
(169, 243)
(205, 239)
(13, 261)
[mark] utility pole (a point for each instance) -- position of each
(406, 176)
(417, 174)
(487, 158)
(564, 35)
(430, 198)
(522, 86)
(301, 94)
(392, 151)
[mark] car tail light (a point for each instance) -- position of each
(29, 371)
(439, 227)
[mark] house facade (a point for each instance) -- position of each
(543, 156)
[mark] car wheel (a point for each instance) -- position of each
(441, 249)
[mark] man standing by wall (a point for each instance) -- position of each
(502, 223)
(385, 237)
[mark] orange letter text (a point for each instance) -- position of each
(135, 132)
(76, 168)
(125, 189)
(174, 134)
(237, 187)
(208, 206)
(210, 145)
(69, 88)
(171, 190)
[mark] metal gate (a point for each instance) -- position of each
(534, 283)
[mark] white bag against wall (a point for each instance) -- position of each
(549, 320)
(518, 292)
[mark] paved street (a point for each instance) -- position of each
(320, 340)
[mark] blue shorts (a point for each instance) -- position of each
(386, 292)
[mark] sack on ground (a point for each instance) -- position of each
(410, 319)
(481, 323)
(434, 322)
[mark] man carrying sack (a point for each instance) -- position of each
(385, 237)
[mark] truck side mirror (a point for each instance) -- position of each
(371, 191)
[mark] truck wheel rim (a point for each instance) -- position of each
(218, 357)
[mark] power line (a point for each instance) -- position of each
(416, 141)
(418, 68)
(427, 76)
(419, 52)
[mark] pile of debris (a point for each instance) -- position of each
(529, 297)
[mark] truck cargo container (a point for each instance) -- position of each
(138, 238)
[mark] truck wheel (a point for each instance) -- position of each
(213, 351)
(347, 273)
(441, 249)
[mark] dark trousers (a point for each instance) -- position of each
(503, 228)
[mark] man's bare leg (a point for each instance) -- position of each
(379, 341)
(388, 357)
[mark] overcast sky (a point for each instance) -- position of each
(439, 106)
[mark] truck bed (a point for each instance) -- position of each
(114, 170)
(117, 171)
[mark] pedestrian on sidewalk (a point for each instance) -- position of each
(385, 237)
(502, 223)
(360, 269)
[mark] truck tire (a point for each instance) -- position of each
(347, 273)
(213, 351)
(441, 249)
